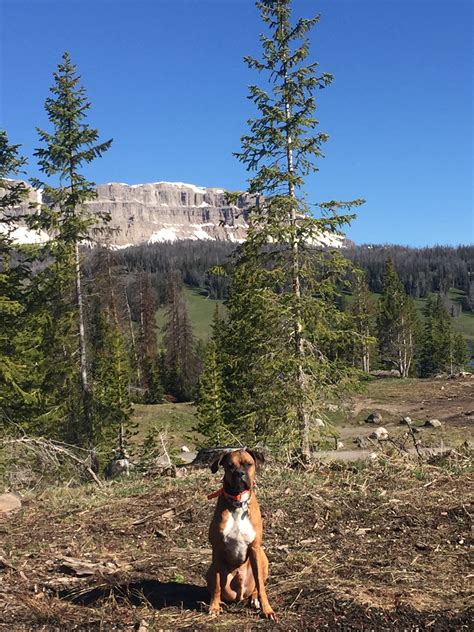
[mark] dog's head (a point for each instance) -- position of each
(240, 467)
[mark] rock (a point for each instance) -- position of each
(373, 418)
(379, 434)
(163, 211)
(116, 468)
(184, 448)
(9, 502)
(360, 441)
(405, 421)
(339, 445)
(319, 423)
(433, 423)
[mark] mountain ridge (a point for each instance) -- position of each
(162, 212)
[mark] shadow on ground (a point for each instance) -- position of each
(147, 592)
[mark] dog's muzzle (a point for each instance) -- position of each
(240, 481)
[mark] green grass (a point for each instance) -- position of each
(463, 323)
(200, 310)
(177, 420)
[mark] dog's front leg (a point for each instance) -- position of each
(214, 585)
(257, 562)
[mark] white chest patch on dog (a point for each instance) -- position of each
(238, 534)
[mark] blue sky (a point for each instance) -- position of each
(167, 82)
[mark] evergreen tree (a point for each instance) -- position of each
(109, 362)
(397, 323)
(150, 376)
(180, 361)
(283, 316)
(441, 350)
(17, 392)
(71, 144)
(212, 399)
(110, 374)
(363, 311)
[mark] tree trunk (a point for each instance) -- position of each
(132, 337)
(301, 408)
(85, 386)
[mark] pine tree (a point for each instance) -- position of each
(109, 362)
(283, 316)
(71, 144)
(363, 311)
(441, 350)
(110, 374)
(149, 362)
(396, 323)
(180, 361)
(17, 392)
(212, 399)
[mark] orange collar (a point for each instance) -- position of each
(240, 498)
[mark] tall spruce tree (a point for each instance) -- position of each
(149, 359)
(180, 362)
(16, 388)
(109, 362)
(363, 311)
(213, 397)
(70, 145)
(283, 316)
(397, 323)
(441, 349)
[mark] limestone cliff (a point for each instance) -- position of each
(167, 211)
(163, 211)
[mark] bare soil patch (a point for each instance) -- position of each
(375, 546)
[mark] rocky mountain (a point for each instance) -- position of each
(162, 211)
(168, 211)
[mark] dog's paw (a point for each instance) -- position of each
(269, 613)
(215, 609)
(255, 603)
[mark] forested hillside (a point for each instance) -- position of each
(421, 270)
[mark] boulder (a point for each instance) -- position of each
(360, 441)
(379, 434)
(9, 502)
(373, 418)
(117, 467)
(433, 423)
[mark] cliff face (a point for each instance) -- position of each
(162, 211)
(167, 211)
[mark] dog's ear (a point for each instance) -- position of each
(220, 460)
(257, 457)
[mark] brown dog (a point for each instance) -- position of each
(239, 566)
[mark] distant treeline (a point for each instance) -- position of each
(421, 270)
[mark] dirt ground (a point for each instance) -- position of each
(451, 401)
(375, 546)
(370, 545)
